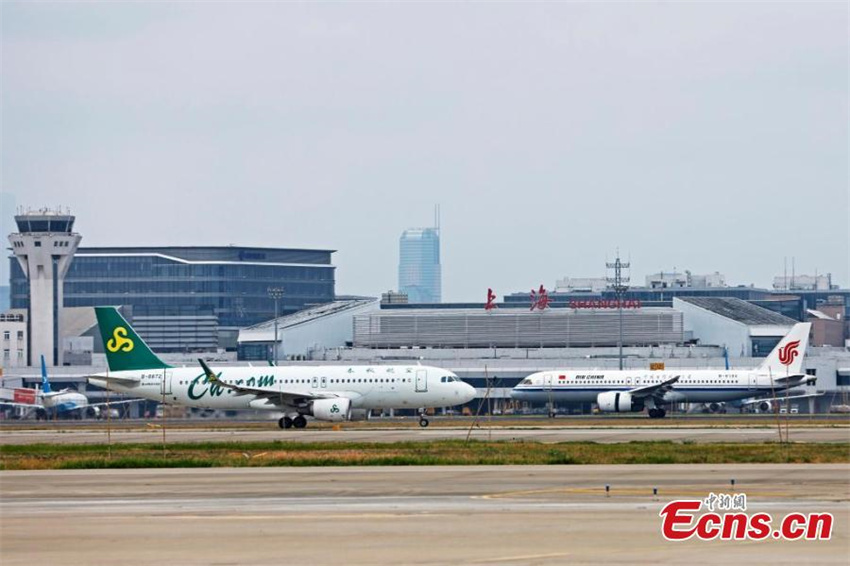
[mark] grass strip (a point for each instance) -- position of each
(439, 452)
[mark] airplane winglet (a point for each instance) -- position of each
(212, 377)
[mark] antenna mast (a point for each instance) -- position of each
(619, 284)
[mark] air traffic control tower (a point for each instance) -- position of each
(44, 246)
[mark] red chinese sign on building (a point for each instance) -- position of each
(604, 304)
(540, 298)
(491, 300)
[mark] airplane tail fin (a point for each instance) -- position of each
(125, 350)
(787, 357)
(45, 383)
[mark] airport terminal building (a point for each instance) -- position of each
(191, 298)
(515, 328)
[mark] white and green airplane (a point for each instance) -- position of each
(328, 393)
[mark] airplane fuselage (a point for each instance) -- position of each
(368, 387)
(63, 401)
(693, 386)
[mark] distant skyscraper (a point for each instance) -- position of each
(419, 274)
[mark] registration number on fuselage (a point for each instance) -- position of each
(151, 378)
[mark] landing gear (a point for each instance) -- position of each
(285, 422)
(657, 413)
(423, 422)
(299, 421)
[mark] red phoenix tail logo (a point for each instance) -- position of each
(788, 352)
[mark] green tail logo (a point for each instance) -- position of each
(125, 350)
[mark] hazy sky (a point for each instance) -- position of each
(702, 136)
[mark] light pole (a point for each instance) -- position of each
(275, 293)
(619, 284)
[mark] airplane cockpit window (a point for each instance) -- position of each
(526, 381)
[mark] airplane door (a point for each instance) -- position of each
(547, 380)
(751, 380)
(421, 380)
(324, 381)
(315, 382)
(166, 383)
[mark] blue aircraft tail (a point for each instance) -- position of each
(45, 384)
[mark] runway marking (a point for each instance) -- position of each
(521, 557)
(615, 491)
(300, 516)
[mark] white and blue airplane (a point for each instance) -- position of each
(624, 391)
(61, 402)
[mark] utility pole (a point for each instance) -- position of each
(275, 293)
(619, 284)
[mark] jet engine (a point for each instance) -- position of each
(616, 402)
(338, 409)
(764, 407)
(717, 407)
(360, 415)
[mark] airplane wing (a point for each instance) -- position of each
(31, 405)
(656, 389)
(275, 396)
(779, 399)
(111, 403)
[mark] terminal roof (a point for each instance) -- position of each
(740, 311)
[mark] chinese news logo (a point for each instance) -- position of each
(725, 518)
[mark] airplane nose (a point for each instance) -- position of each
(469, 392)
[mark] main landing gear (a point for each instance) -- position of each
(657, 413)
(297, 422)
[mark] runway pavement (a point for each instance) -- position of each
(547, 434)
(421, 515)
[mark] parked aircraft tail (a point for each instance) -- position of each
(787, 357)
(45, 383)
(125, 350)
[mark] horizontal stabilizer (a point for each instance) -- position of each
(121, 380)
